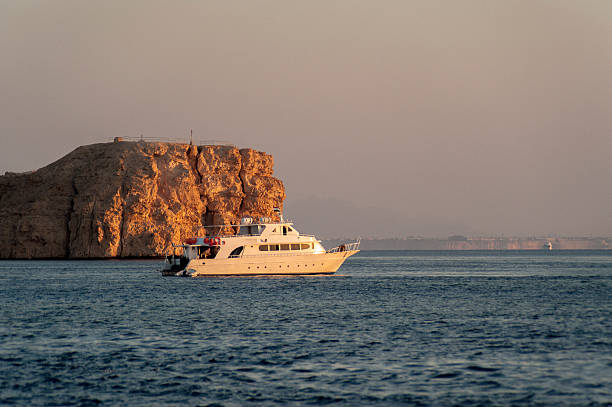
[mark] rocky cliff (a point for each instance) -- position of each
(131, 199)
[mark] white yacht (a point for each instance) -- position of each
(260, 247)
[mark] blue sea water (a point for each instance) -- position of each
(391, 328)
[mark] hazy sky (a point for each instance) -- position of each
(387, 118)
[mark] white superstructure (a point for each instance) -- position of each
(256, 248)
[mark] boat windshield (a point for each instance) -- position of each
(251, 230)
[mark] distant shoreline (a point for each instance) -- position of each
(484, 243)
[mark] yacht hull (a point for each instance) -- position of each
(278, 264)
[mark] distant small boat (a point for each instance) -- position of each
(547, 246)
(258, 248)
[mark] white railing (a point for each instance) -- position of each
(345, 247)
(251, 235)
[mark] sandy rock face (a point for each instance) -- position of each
(131, 199)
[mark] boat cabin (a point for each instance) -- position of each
(265, 227)
(251, 239)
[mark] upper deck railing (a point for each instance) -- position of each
(237, 225)
(221, 230)
(247, 235)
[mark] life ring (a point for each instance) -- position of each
(207, 241)
(191, 240)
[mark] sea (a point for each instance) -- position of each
(391, 328)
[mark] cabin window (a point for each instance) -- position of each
(285, 230)
(273, 247)
(284, 247)
(295, 246)
(305, 246)
(213, 252)
(251, 230)
(237, 251)
(263, 247)
(204, 252)
(274, 231)
(289, 229)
